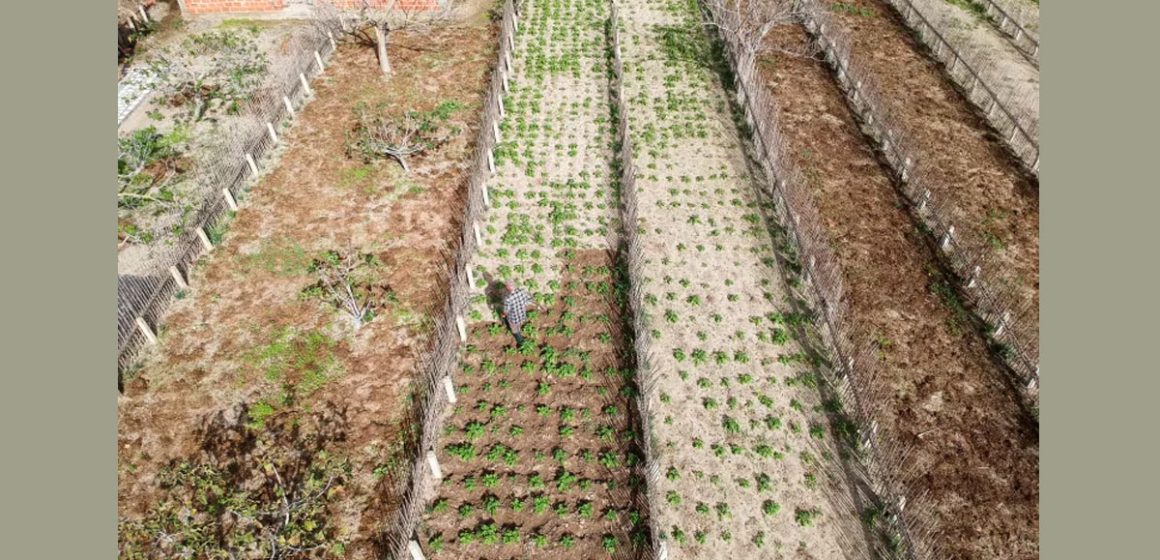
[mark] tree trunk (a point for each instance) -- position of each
(381, 32)
(399, 158)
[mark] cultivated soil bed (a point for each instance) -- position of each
(744, 436)
(965, 164)
(552, 467)
(540, 455)
(249, 370)
(972, 451)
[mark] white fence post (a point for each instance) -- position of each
(478, 237)
(449, 386)
(318, 59)
(144, 14)
(253, 164)
(462, 328)
(204, 239)
(945, 244)
(177, 277)
(145, 330)
(433, 462)
(333, 45)
(233, 204)
(305, 84)
(491, 161)
(416, 552)
(1002, 323)
(974, 276)
(289, 105)
(270, 129)
(470, 279)
(486, 198)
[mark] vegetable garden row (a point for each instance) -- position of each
(744, 441)
(540, 456)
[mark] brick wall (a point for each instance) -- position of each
(195, 7)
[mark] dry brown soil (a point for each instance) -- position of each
(973, 452)
(966, 161)
(246, 294)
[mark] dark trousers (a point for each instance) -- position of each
(515, 329)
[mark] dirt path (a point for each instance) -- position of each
(550, 472)
(243, 351)
(972, 453)
(750, 467)
(957, 155)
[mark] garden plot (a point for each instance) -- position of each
(538, 455)
(959, 158)
(749, 464)
(553, 185)
(170, 155)
(973, 460)
(253, 367)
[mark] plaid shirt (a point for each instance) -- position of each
(515, 306)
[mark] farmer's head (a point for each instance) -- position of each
(509, 287)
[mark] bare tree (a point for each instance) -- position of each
(348, 281)
(748, 22)
(371, 22)
(377, 135)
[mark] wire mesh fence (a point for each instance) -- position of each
(415, 475)
(1010, 314)
(1015, 25)
(145, 290)
(633, 258)
(1014, 114)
